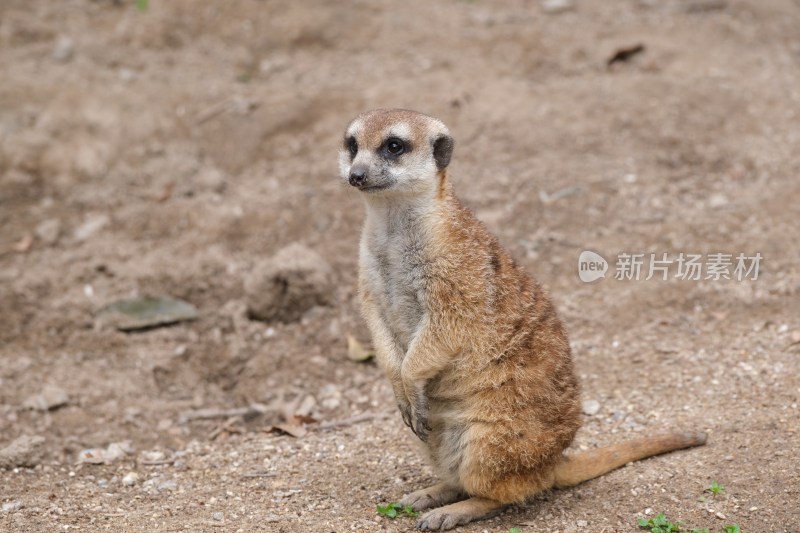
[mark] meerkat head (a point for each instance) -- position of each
(395, 151)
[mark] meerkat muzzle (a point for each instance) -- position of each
(358, 176)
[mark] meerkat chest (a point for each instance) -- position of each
(395, 272)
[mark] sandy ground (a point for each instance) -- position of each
(170, 150)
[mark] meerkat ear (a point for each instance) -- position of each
(442, 150)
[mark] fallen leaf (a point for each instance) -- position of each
(289, 408)
(24, 244)
(294, 430)
(625, 54)
(303, 419)
(166, 192)
(294, 426)
(356, 351)
(794, 337)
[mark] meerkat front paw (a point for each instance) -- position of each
(439, 494)
(415, 392)
(419, 417)
(420, 425)
(438, 520)
(457, 514)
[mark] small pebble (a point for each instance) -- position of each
(590, 407)
(91, 225)
(14, 505)
(126, 74)
(168, 484)
(306, 406)
(582, 523)
(330, 396)
(130, 479)
(212, 179)
(218, 516)
(331, 403)
(287, 285)
(718, 200)
(721, 516)
(64, 49)
(701, 6)
(48, 230)
(92, 456)
(153, 456)
(117, 450)
(557, 6)
(49, 398)
(24, 451)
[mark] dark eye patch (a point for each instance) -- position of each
(352, 146)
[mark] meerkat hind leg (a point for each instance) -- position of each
(460, 513)
(439, 494)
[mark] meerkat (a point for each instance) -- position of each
(478, 360)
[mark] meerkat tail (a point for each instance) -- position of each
(575, 469)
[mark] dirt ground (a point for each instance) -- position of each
(167, 149)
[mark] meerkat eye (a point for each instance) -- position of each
(395, 146)
(352, 146)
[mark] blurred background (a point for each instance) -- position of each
(174, 147)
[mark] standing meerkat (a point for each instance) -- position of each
(478, 359)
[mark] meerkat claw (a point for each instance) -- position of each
(421, 430)
(405, 411)
(422, 427)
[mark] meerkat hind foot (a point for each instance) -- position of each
(457, 514)
(439, 494)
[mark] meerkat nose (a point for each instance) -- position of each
(358, 175)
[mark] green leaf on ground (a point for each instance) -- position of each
(393, 510)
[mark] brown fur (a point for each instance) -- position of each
(486, 379)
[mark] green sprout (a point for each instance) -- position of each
(393, 510)
(660, 524)
(716, 489)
